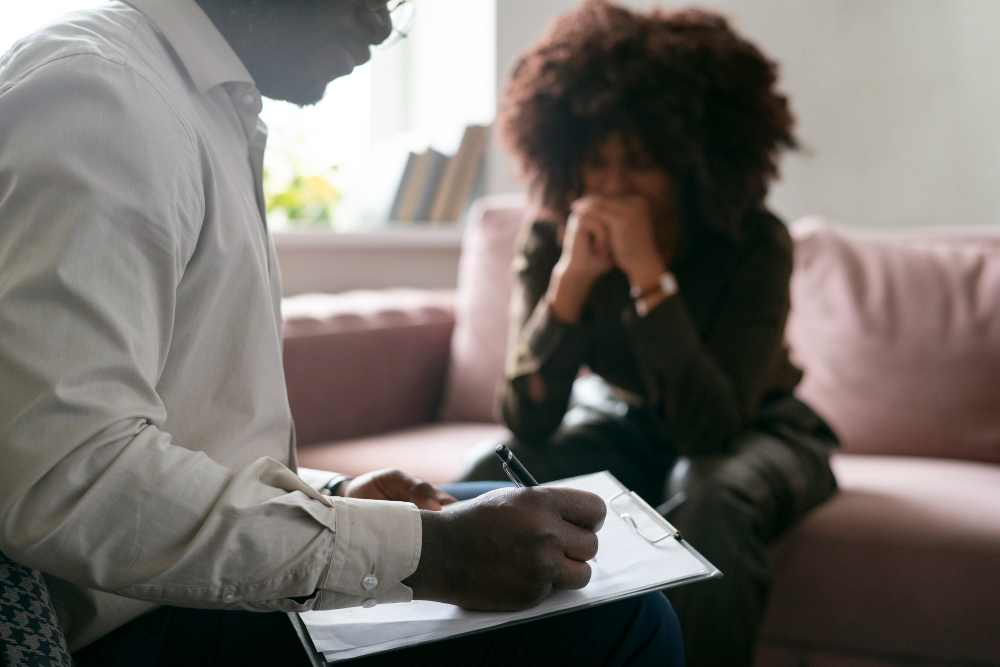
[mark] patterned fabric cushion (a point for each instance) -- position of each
(29, 635)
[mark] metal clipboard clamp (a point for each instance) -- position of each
(616, 496)
(669, 530)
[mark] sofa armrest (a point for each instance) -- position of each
(365, 361)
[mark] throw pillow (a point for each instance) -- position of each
(479, 341)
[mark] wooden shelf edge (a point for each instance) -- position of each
(409, 237)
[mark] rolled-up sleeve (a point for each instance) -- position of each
(100, 206)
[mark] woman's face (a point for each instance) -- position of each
(620, 166)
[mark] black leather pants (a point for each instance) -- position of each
(733, 506)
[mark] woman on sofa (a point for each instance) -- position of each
(650, 140)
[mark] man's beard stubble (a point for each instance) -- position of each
(277, 41)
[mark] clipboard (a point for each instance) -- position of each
(631, 514)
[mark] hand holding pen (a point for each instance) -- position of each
(507, 549)
(517, 472)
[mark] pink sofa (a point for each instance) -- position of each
(899, 334)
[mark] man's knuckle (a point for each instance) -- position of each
(599, 508)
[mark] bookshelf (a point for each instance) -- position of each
(411, 252)
(435, 186)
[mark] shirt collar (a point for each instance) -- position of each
(206, 54)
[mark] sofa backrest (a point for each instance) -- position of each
(365, 361)
(898, 332)
(899, 335)
(479, 342)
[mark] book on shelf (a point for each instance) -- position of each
(404, 181)
(460, 175)
(417, 182)
(434, 187)
(436, 165)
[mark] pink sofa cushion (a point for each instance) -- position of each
(901, 562)
(365, 361)
(433, 452)
(479, 342)
(899, 335)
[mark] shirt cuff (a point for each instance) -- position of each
(374, 537)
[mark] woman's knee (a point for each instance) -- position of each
(713, 498)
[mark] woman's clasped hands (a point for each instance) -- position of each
(628, 234)
(600, 234)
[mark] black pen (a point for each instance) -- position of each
(514, 469)
(517, 472)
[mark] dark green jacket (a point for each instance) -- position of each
(703, 361)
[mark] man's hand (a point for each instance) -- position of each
(506, 549)
(392, 484)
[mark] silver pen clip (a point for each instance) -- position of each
(512, 476)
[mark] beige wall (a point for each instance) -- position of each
(898, 103)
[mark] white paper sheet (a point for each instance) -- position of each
(626, 563)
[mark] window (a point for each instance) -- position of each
(23, 18)
(336, 165)
(422, 91)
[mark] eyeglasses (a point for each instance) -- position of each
(401, 13)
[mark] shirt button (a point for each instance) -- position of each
(229, 597)
(369, 582)
(369, 603)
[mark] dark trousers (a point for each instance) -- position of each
(639, 631)
(734, 505)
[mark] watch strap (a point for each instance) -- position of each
(666, 285)
(330, 488)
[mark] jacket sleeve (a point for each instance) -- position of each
(100, 209)
(704, 387)
(542, 348)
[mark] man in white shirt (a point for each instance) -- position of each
(146, 440)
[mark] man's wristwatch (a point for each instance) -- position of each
(330, 488)
(666, 286)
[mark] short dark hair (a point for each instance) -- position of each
(700, 97)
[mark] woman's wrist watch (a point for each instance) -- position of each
(330, 488)
(665, 286)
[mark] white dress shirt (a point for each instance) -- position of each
(146, 454)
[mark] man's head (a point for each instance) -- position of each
(294, 48)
